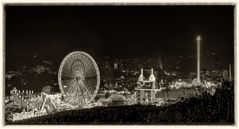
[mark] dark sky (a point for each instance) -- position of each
(117, 30)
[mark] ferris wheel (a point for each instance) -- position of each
(79, 78)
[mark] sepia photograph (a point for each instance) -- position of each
(119, 64)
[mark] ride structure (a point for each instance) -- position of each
(146, 89)
(79, 79)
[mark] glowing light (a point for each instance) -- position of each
(198, 38)
(198, 59)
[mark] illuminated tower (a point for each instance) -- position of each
(230, 72)
(141, 77)
(198, 59)
(152, 79)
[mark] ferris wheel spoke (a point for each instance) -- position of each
(65, 77)
(77, 92)
(70, 62)
(67, 82)
(90, 73)
(89, 68)
(67, 68)
(71, 87)
(90, 85)
(68, 85)
(73, 93)
(91, 77)
(64, 73)
(81, 93)
(90, 82)
(71, 59)
(86, 60)
(88, 64)
(84, 87)
(79, 57)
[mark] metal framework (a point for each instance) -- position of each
(198, 59)
(146, 95)
(79, 78)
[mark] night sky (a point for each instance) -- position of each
(118, 30)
